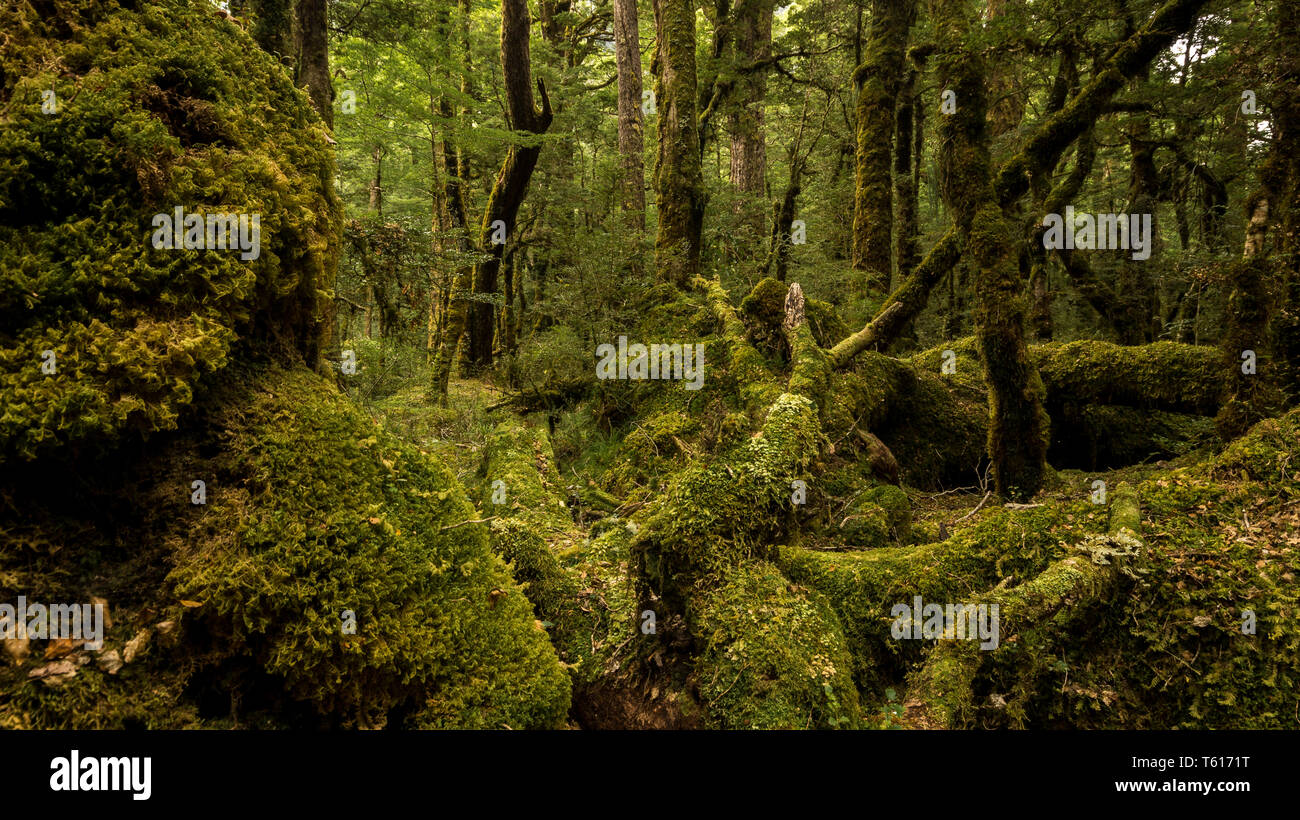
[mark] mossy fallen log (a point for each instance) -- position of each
(940, 691)
(930, 409)
(863, 586)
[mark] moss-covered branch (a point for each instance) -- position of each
(940, 692)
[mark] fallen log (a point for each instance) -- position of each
(941, 691)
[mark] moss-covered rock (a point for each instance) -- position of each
(158, 106)
(312, 512)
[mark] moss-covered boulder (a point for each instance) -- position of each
(154, 106)
(331, 576)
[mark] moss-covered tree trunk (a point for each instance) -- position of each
(528, 123)
(1136, 313)
(311, 48)
(678, 179)
(783, 221)
(907, 156)
(631, 124)
(1017, 443)
(877, 80)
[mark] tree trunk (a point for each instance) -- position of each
(313, 58)
(456, 171)
(752, 20)
(513, 177)
(631, 125)
(1018, 426)
(680, 199)
(877, 80)
(907, 236)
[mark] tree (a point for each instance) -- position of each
(678, 182)
(631, 124)
(878, 81)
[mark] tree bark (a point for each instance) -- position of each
(631, 125)
(877, 80)
(678, 177)
(311, 47)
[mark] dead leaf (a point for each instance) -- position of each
(62, 647)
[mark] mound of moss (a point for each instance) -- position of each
(155, 106)
(332, 576)
(337, 516)
(774, 656)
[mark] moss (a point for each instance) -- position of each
(877, 517)
(1110, 405)
(943, 687)
(763, 311)
(774, 656)
(863, 586)
(311, 512)
(746, 366)
(208, 123)
(715, 515)
(578, 586)
(934, 424)
(1164, 375)
(1264, 454)
(827, 326)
